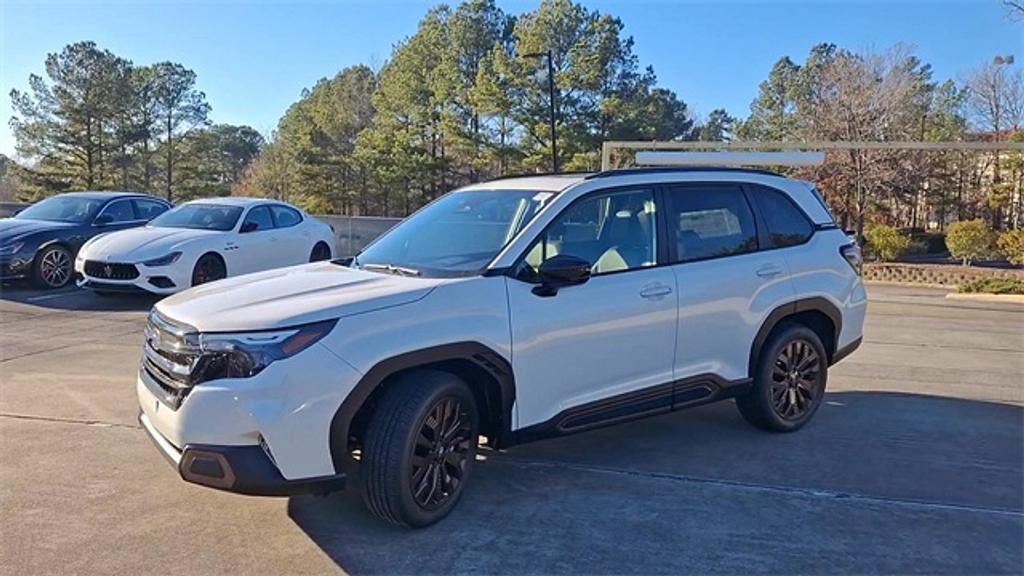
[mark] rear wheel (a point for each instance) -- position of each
(52, 267)
(789, 383)
(419, 448)
(320, 252)
(209, 268)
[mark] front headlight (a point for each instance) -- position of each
(242, 355)
(163, 260)
(12, 248)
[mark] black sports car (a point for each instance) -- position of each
(41, 241)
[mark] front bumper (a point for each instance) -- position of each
(162, 280)
(240, 469)
(15, 267)
(269, 429)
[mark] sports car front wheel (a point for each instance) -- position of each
(52, 267)
(209, 268)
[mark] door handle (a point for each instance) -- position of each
(769, 271)
(655, 291)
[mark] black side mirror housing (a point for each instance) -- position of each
(103, 220)
(248, 227)
(561, 271)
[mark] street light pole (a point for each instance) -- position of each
(551, 105)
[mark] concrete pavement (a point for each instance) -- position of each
(914, 465)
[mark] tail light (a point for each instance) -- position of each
(852, 254)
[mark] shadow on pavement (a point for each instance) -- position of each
(879, 482)
(73, 298)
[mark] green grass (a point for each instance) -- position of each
(993, 285)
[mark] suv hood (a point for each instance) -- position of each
(291, 296)
(142, 243)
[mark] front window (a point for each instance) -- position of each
(457, 235)
(199, 216)
(74, 209)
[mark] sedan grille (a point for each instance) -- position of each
(111, 270)
(169, 358)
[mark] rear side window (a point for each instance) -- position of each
(148, 209)
(285, 217)
(708, 221)
(785, 223)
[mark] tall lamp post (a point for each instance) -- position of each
(551, 104)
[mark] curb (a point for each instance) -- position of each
(1009, 298)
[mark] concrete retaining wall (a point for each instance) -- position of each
(352, 233)
(932, 274)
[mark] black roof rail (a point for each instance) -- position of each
(540, 174)
(672, 169)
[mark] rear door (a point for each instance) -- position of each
(727, 283)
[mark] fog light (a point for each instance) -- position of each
(161, 282)
(207, 468)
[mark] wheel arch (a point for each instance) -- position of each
(817, 313)
(214, 253)
(488, 374)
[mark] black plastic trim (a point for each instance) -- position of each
(482, 356)
(110, 287)
(652, 401)
(817, 304)
(846, 350)
(248, 470)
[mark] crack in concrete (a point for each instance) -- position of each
(99, 423)
(774, 488)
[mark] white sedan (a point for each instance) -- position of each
(202, 241)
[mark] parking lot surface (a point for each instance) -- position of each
(914, 465)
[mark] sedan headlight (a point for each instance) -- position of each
(12, 248)
(242, 355)
(163, 260)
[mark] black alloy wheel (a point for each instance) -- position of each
(789, 380)
(419, 447)
(209, 268)
(795, 380)
(52, 267)
(441, 454)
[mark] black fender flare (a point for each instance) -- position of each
(481, 356)
(816, 304)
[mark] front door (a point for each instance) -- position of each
(255, 247)
(614, 334)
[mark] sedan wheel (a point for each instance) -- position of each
(52, 268)
(209, 268)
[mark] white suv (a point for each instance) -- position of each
(502, 313)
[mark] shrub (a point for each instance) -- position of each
(886, 242)
(993, 285)
(969, 240)
(1011, 245)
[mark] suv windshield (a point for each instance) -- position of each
(77, 209)
(199, 216)
(457, 235)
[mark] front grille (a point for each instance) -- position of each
(169, 358)
(111, 270)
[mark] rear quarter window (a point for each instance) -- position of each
(785, 223)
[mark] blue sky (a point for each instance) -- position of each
(253, 59)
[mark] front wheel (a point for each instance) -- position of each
(419, 448)
(209, 268)
(789, 382)
(51, 268)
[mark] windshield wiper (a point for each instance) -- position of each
(391, 269)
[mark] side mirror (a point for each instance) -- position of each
(561, 271)
(103, 220)
(248, 227)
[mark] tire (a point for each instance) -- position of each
(52, 267)
(789, 383)
(208, 268)
(408, 480)
(320, 252)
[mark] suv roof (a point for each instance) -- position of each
(675, 169)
